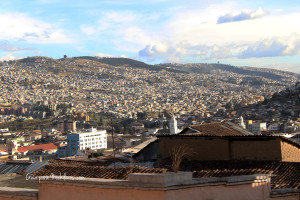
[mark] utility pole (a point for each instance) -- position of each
(113, 140)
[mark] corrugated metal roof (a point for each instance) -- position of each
(35, 166)
(139, 147)
(8, 168)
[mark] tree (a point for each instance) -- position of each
(65, 56)
(178, 153)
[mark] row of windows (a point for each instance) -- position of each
(93, 147)
(92, 139)
(92, 135)
(91, 143)
(87, 140)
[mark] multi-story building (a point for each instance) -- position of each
(92, 139)
(66, 125)
(257, 127)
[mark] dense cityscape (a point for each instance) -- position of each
(151, 100)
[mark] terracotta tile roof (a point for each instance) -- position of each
(284, 174)
(216, 128)
(3, 147)
(94, 171)
(49, 146)
(62, 162)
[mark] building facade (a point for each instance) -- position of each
(92, 139)
(66, 125)
(257, 127)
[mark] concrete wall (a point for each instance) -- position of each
(252, 191)
(210, 191)
(169, 186)
(73, 192)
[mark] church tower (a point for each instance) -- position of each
(242, 124)
(173, 125)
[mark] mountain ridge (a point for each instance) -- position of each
(197, 68)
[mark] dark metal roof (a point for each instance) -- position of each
(8, 168)
(34, 167)
(15, 167)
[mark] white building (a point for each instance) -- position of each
(91, 139)
(256, 128)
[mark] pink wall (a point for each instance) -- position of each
(72, 192)
(223, 192)
(249, 191)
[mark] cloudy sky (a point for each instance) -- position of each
(261, 33)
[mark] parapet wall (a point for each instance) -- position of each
(167, 186)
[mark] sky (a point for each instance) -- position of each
(258, 33)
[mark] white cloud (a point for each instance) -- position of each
(271, 47)
(126, 30)
(123, 17)
(241, 16)
(5, 46)
(87, 29)
(124, 56)
(268, 36)
(102, 55)
(164, 51)
(8, 57)
(277, 46)
(18, 27)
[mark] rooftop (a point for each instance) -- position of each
(284, 174)
(45, 147)
(95, 171)
(215, 128)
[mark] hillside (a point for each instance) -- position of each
(282, 105)
(85, 65)
(127, 62)
(206, 68)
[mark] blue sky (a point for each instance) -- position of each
(257, 33)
